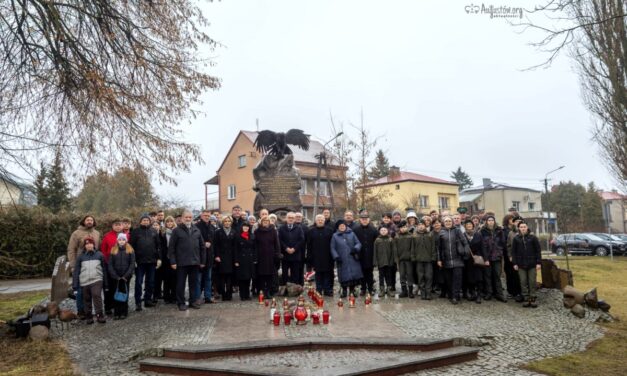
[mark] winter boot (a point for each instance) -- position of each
(410, 292)
(527, 303)
(403, 292)
(533, 303)
(478, 300)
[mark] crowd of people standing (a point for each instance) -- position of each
(452, 256)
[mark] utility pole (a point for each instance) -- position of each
(548, 207)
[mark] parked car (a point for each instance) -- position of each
(618, 244)
(585, 244)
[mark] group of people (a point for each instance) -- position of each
(455, 256)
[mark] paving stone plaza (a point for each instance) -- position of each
(506, 334)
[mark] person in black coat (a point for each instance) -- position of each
(207, 230)
(268, 254)
(367, 234)
(245, 260)
(493, 243)
(145, 241)
(186, 252)
(292, 239)
(120, 268)
(169, 275)
(527, 261)
(224, 257)
(319, 255)
(473, 274)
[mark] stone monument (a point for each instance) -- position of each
(277, 182)
(60, 280)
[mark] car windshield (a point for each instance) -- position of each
(602, 236)
(614, 237)
(593, 237)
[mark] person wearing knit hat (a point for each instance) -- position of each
(493, 244)
(145, 241)
(90, 275)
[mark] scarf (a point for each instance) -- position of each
(245, 235)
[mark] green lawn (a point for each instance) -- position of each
(602, 356)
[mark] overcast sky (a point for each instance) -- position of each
(444, 88)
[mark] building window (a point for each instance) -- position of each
(444, 202)
(241, 161)
(324, 187)
(231, 192)
(398, 187)
(303, 187)
(516, 205)
(424, 201)
(531, 206)
(305, 212)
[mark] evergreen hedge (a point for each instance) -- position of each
(31, 239)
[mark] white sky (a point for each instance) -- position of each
(445, 88)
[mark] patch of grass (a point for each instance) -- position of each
(602, 356)
(14, 305)
(22, 356)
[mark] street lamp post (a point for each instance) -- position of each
(548, 206)
(322, 156)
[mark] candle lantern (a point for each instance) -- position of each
(266, 302)
(287, 317)
(300, 314)
(261, 299)
(276, 318)
(368, 299)
(286, 304)
(273, 305)
(315, 318)
(325, 317)
(340, 303)
(320, 302)
(351, 301)
(272, 311)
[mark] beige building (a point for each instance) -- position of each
(615, 209)
(404, 189)
(15, 192)
(500, 198)
(234, 177)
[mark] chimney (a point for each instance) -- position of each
(394, 172)
(487, 183)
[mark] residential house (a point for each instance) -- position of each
(404, 189)
(13, 191)
(499, 198)
(615, 210)
(234, 177)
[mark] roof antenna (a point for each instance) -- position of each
(257, 122)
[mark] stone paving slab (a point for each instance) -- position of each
(508, 335)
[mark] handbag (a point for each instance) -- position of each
(477, 260)
(120, 296)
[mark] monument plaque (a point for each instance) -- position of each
(277, 182)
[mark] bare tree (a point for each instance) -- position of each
(364, 145)
(108, 82)
(595, 33)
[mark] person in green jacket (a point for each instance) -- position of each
(404, 245)
(384, 259)
(424, 254)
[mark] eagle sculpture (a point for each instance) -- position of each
(275, 143)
